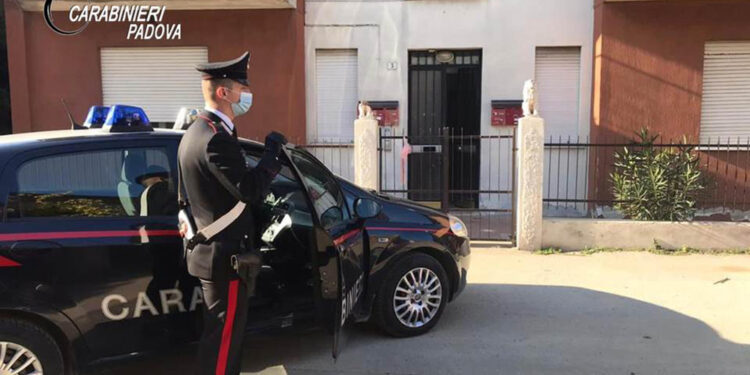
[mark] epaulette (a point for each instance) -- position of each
(210, 123)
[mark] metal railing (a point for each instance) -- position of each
(469, 176)
(577, 176)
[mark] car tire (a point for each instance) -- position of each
(19, 335)
(404, 314)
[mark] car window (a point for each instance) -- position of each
(284, 185)
(97, 183)
(323, 190)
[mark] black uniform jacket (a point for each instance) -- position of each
(215, 177)
(160, 200)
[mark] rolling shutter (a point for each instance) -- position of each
(337, 95)
(725, 108)
(161, 80)
(558, 76)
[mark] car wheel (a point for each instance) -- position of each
(26, 349)
(412, 297)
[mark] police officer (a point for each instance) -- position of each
(156, 198)
(215, 177)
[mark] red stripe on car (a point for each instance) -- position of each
(346, 236)
(404, 229)
(5, 262)
(87, 234)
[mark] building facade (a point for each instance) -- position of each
(680, 69)
(656, 66)
(443, 64)
(101, 66)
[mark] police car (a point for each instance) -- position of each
(91, 266)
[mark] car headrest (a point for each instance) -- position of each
(133, 166)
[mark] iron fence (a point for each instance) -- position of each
(578, 182)
(469, 176)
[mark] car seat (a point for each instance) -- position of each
(128, 190)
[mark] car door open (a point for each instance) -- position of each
(339, 253)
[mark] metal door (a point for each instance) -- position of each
(444, 99)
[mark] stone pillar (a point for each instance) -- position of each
(529, 193)
(366, 153)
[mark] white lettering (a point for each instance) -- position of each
(94, 13)
(142, 13)
(114, 13)
(153, 14)
(163, 10)
(131, 30)
(108, 313)
(84, 16)
(103, 15)
(176, 32)
(172, 301)
(148, 31)
(133, 14)
(163, 30)
(350, 298)
(143, 303)
(171, 297)
(151, 31)
(197, 298)
(71, 17)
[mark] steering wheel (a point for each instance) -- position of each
(283, 205)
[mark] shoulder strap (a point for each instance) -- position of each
(223, 222)
(144, 202)
(211, 230)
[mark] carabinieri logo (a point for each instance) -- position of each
(48, 19)
(145, 20)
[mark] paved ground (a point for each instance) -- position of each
(612, 313)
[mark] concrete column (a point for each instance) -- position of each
(529, 192)
(366, 153)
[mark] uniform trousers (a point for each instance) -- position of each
(225, 318)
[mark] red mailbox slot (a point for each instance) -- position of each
(386, 112)
(506, 112)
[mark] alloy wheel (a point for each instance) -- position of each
(417, 297)
(18, 360)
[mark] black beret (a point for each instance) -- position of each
(233, 69)
(152, 171)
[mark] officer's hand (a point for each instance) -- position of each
(274, 142)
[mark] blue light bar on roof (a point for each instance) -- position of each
(97, 115)
(125, 118)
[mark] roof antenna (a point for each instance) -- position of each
(73, 124)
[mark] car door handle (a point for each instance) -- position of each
(20, 247)
(35, 244)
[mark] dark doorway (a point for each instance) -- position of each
(444, 114)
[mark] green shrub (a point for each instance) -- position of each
(651, 183)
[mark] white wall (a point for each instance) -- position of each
(507, 31)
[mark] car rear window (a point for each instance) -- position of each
(98, 183)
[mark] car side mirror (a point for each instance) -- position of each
(367, 208)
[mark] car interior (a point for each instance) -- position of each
(284, 287)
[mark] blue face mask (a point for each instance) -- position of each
(242, 106)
